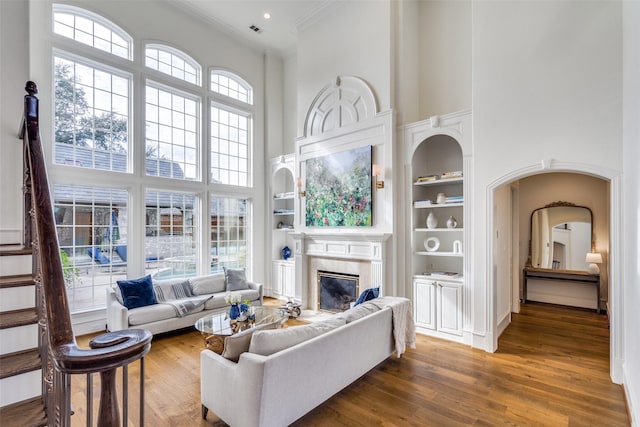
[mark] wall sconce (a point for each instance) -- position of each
(301, 192)
(375, 172)
(594, 258)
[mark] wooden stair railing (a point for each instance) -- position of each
(63, 357)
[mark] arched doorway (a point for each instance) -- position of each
(504, 190)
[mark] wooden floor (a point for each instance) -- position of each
(551, 368)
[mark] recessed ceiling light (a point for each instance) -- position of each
(267, 15)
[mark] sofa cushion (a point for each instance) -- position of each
(209, 284)
(137, 292)
(216, 302)
(270, 342)
(358, 312)
(151, 313)
(235, 345)
(235, 279)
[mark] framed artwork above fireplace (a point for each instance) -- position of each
(339, 189)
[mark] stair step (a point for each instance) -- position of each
(17, 262)
(15, 318)
(17, 339)
(16, 281)
(15, 251)
(29, 413)
(17, 297)
(19, 363)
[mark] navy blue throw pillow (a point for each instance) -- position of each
(137, 293)
(367, 295)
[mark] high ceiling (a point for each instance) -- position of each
(278, 33)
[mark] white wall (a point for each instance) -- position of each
(631, 206)
(444, 56)
(350, 38)
(290, 107)
(14, 69)
(546, 85)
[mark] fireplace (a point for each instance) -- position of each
(336, 291)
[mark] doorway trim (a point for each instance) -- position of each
(615, 312)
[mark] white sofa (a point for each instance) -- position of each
(160, 317)
(277, 389)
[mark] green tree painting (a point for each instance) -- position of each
(338, 189)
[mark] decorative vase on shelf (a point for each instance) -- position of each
(441, 198)
(286, 253)
(451, 222)
(432, 221)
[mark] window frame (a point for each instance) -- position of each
(176, 52)
(96, 18)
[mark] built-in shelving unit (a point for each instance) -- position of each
(435, 187)
(281, 284)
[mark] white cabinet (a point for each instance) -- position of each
(438, 307)
(283, 280)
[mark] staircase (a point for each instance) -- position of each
(21, 386)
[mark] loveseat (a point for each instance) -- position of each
(287, 372)
(179, 303)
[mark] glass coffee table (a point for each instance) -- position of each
(216, 327)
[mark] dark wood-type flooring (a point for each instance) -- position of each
(551, 368)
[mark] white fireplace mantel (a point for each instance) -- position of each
(348, 246)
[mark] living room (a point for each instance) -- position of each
(549, 87)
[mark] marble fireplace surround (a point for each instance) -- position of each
(361, 254)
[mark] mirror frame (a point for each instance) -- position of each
(556, 204)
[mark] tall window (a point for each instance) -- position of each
(228, 232)
(101, 102)
(91, 125)
(170, 234)
(92, 232)
(229, 146)
(172, 133)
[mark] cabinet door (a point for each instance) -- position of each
(289, 280)
(277, 279)
(450, 308)
(424, 297)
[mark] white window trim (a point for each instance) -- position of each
(241, 81)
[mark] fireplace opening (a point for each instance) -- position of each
(336, 290)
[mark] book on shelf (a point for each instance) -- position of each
(427, 178)
(443, 274)
(422, 203)
(286, 195)
(451, 174)
(454, 199)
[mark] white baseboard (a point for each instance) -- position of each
(633, 404)
(502, 324)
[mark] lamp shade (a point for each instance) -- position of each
(594, 257)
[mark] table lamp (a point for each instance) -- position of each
(594, 258)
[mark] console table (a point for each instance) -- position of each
(562, 275)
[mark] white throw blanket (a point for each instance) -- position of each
(404, 329)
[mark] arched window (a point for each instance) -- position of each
(91, 29)
(173, 62)
(231, 85)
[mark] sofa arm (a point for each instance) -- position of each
(117, 314)
(258, 287)
(233, 391)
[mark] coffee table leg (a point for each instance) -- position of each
(214, 343)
